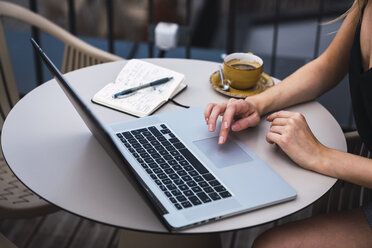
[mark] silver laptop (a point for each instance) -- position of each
(178, 165)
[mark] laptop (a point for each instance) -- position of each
(178, 166)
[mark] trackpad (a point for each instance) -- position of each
(224, 155)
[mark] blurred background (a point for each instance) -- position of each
(285, 33)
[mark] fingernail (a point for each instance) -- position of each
(235, 127)
(221, 140)
(206, 120)
(210, 128)
(225, 124)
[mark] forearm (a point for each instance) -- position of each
(307, 83)
(345, 166)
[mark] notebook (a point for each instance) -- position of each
(187, 178)
(143, 102)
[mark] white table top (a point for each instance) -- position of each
(49, 148)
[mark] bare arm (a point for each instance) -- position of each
(290, 131)
(307, 83)
(316, 77)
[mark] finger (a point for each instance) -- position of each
(279, 122)
(277, 129)
(227, 119)
(243, 123)
(216, 111)
(273, 138)
(280, 114)
(208, 110)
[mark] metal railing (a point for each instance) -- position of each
(269, 11)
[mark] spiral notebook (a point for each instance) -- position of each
(142, 102)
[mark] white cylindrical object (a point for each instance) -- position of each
(166, 35)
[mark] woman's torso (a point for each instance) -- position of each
(360, 77)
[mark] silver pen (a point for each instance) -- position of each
(153, 83)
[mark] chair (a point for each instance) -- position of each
(15, 199)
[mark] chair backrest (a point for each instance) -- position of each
(77, 53)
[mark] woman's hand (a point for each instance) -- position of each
(237, 114)
(292, 134)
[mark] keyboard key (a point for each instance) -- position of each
(208, 190)
(146, 133)
(162, 176)
(186, 178)
(171, 186)
(214, 183)
(196, 189)
(153, 165)
(181, 198)
(225, 194)
(204, 197)
(183, 187)
(176, 192)
(173, 200)
(177, 167)
(164, 166)
(178, 181)
(149, 160)
(181, 173)
(191, 183)
(194, 161)
(178, 206)
(159, 148)
(169, 171)
(158, 182)
(170, 148)
(203, 184)
(188, 193)
(220, 188)
(163, 188)
(163, 152)
(172, 162)
(168, 157)
(155, 131)
(168, 194)
(153, 176)
(178, 145)
(174, 153)
(209, 177)
(193, 173)
(186, 204)
(166, 143)
(174, 176)
(195, 200)
(127, 135)
(183, 163)
(167, 181)
(174, 140)
(199, 179)
(214, 196)
(147, 146)
(163, 126)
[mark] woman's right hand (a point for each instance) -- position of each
(237, 114)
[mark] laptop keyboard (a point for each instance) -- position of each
(176, 171)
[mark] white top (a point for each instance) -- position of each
(49, 148)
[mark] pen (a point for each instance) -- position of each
(153, 83)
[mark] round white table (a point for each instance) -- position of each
(49, 148)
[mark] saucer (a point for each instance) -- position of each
(263, 83)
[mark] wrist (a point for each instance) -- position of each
(255, 101)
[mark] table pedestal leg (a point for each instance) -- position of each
(145, 240)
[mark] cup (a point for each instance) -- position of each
(242, 70)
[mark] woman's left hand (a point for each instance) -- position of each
(292, 134)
